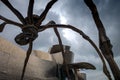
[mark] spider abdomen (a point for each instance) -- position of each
(29, 33)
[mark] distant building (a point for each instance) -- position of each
(57, 55)
(83, 76)
(41, 65)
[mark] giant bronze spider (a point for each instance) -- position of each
(31, 26)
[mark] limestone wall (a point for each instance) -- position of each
(57, 57)
(42, 55)
(12, 59)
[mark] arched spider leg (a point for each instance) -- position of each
(104, 42)
(7, 21)
(44, 13)
(15, 11)
(81, 65)
(84, 36)
(58, 36)
(61, 46)
(30, 12)
(2, 26)
(11, 22)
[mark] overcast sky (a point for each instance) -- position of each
(76, 13)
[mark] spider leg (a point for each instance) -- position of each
(61, 46)
(104, 42)
(2, 26)
(44, 13)
(30, 11)
(59, 39)
(58, 35)
(26, 59)
(15, 11)
(82, 65)
(7, 21)
(84, 36)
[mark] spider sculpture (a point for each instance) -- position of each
(31, 26)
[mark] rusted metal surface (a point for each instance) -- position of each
(104, 42)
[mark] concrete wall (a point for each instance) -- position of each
(12, 59)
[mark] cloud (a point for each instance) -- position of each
(96, 75)
(76, 13)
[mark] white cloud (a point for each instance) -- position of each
(71, 37)
(63, 20)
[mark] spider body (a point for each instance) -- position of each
(29, 33)
(31, 25)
